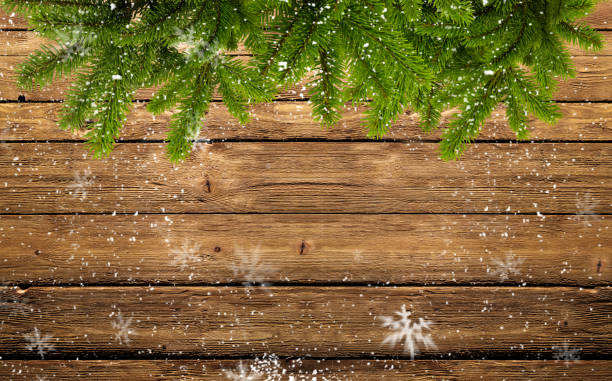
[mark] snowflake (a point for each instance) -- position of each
(504, 268)
(38, 342)
(566, 353)
(187, 254)
(14, 306)
(75, 42)
(586, 210)
(81, 183)
(251, 269)
(194, 47)
(243, 373)
(411, 333)
(122, 326)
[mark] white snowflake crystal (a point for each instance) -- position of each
(243, 372)
(508, 266)
(408, 331)
(585, 210)
(78, 187)
(75, 42)
(566, 354)
(186, 255)
(122, 328)
(39, 343)
(195, 47)
(251, 268)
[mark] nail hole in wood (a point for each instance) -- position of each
(303, 247)
(37, 252)
(217, 249)
(21, 98)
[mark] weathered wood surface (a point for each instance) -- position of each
(304, 369)
(293, 120)
(591, 83)
(600, 18)
(451, 249)
(308, 178)
(467, 322)
(22, 43)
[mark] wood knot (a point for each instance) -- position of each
(217, 249)
(304, 247)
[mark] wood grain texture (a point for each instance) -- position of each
(307, 178)
(451, 249)
(600, 18)
(22, 43)
(468, 322)
(306, 370)
(592, 83)
(293, 120)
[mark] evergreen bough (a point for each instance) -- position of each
(391, 55)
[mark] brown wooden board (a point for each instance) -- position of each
(600, 18)
(22, 43)
(591, 83)
(305, 370)
(293, 120)
(466, 322)
(308, 178)
(398, 249)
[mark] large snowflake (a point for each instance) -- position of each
(586, 210)
(565, 353)
(243, 373)
(506, 267)
(409, 332)
(122, 328)
(39, 343)
(80, 184)
(251, 268)
(186, 255)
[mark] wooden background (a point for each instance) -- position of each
(335, 231)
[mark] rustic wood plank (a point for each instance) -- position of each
(591, 83)
(307, 178)
(22, 43)
(293, 120)
(600, 18)
(304, 369)
(466, 322)
(451, 249)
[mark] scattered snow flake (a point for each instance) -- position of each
(250, 268)
(282, 65)
(116, 77)
(408, 331)
(566, 353)
(113, 6)
(80, 183)
(585, 210)
(186, 255)
(122, 328)
(508, 266)
(243, 372)
(39, 343)
(489, 72)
